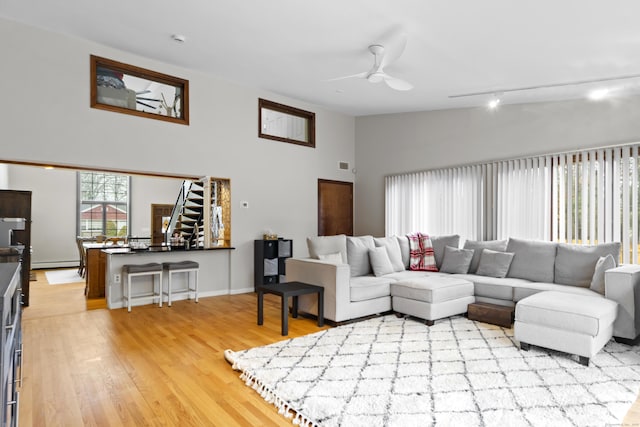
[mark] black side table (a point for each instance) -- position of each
(286, 290)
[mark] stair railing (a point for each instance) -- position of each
(177, 209)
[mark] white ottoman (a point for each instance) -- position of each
(432, 297)
(576, 324)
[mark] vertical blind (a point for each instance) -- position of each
(585, 197)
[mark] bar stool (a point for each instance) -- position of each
(137, 270)
(181, 267)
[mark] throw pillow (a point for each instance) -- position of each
(380, 261)
(403, 242)
(421, 253)
(494, 263)
(478, 246)
(358, 254)
(604, 263)
(335, 258)
(393, 251)
(456, 261)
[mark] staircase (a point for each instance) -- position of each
(193, 213)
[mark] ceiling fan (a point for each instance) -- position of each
(382, 58)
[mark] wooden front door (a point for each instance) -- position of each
(335, 208)
(159, 214)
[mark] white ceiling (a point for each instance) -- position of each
(292, 47)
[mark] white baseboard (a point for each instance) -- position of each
(241, 291)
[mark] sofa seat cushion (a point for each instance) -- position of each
(584, 314)
(411, 274)
(433, 289)
(523, 290)
(493, 287)
(364, 288)
(533, 259)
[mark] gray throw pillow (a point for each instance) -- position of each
(456, 261)
(575, 264)
(494, 263)
(533, 259)
(478, 246)
(380, 261)
(393, 251)
(604, 263)
(358, 254)
(440, 242)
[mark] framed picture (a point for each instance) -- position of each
(127, 89)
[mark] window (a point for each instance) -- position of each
(287, 124)
(103, 204)
(584, 197)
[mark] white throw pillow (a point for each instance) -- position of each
(604, 263)
(335, 258)
(393, 251)
(380, 261)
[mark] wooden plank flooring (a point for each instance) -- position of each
(86, 365)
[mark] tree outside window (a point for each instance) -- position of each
(103, 204)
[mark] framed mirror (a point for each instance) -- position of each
(287, 124)
(127, 89)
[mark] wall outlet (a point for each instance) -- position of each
(116, 278)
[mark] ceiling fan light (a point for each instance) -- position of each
(375, 77)
(493, 104)
(598, 94)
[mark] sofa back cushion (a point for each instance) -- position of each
(532, 260)
(405, 252)
(358, 254)
(575, 264)
(393, 251)
(325, 245)
(440, 242)
(478, 246)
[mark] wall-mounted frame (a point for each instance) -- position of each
(287, 124)
(127, 89)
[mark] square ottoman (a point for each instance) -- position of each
(576, 324)
(432, 297)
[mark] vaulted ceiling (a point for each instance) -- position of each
(546, 49)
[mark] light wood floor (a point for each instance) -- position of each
(86, 365)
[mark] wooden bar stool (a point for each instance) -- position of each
(181, 267)
(137, 270)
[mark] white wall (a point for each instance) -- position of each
(46, 77)
(390, 144)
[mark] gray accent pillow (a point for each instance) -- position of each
(393, 251)
(403, 242)
(478, 246)
(456, 261)
(533, 259)
(380, 261)
(358, 254)
(604, 263)
(494, 263)
(325, 245)
(575, 264)
(440, 242)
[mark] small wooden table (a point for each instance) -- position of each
(495, 314)
(286, 290)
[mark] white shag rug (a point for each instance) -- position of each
(391, 371)
(61, 277)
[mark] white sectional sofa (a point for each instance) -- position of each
(341, 264)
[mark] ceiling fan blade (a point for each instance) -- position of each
(359, 76)
(397, 84)
(393, 49)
